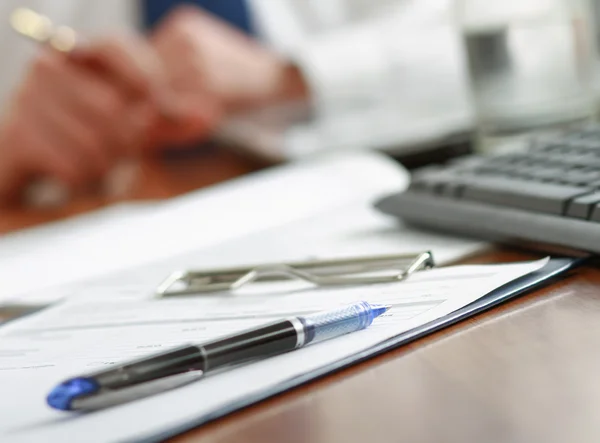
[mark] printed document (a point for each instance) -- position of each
(103, 327)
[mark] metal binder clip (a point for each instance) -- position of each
(351, 271)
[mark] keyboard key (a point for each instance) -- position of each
(589, 146)
(467, 163)
(566, 159)
(595, 213)
(424, 179)
(549, 147)
(580, 177)
(549, 198)
(437, 181)
(582, 206)
(447, 183)
(451, 188)
(506, 159)
(543, 173)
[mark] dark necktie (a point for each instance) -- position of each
(235, 12)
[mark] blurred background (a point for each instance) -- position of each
(423, 81)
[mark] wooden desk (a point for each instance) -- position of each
(156, 179)
(526, 372)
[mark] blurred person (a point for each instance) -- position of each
(75, 115)
(356, 61)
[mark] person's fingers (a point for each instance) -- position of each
(88, 96)
(40, 155)
(202, 116)
(33, 150)
(132, 63)
(78, 140)
(95, 102)
(132, 130)
(13, 169)
(67, 131)
(179, 43)
(199, 111)
(179, 26)
(182, 80)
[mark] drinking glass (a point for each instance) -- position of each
(531, 64)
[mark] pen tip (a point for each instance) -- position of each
(62, 396)
(380, 309)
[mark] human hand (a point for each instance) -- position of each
(213, 65)
(75, 115)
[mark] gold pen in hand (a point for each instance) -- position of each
(64, 39)
(40, 28)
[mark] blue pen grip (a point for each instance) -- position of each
(323, 326)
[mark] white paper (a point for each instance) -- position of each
(39, 351)
(323, 228)
(67, 252)
(354, 230)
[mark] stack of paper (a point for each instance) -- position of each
(103, 328)
(105, 268)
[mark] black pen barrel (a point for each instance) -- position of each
(268, 340)
(164, 364)
(271, 339)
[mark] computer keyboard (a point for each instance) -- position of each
(546, 192)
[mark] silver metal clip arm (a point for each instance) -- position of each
(337, 272)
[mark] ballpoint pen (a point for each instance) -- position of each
(188, 363)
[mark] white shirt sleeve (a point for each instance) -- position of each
(361, 63)
(387, 73)
(346, 67)
(394, 80)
